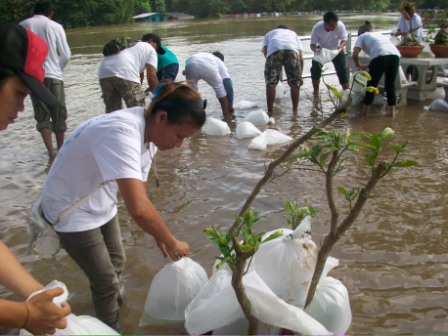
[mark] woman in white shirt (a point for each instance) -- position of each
(410, 23)
(106, 154)
(384, 59)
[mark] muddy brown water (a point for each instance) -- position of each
(393, 261)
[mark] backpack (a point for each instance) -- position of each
(116, 45)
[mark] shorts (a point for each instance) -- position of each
(114, 89)
(340, 65)
(168, 72)
(288, 59)
(51, 117)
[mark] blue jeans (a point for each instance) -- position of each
(100, 254)
(229, 89)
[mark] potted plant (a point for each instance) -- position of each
(409, 27)
(438, 32)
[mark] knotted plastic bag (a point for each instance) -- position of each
(216, 307)
(257, 117)
(287, 264)
(171, 290)
(331, 305)
(215, 127)
(76, 325)
(269, 137)
(246, 129)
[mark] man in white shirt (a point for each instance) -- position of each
(121, 75)
(50, 118)
(330, 34)
(211, 68)
(282, 48)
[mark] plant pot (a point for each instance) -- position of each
(439, 50)
(410, 51)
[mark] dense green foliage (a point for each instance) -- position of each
(100, 12)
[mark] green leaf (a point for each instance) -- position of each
(405, 163)
(386, 133)
(273, 236)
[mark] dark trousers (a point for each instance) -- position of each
(387, 65)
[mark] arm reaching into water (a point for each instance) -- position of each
(146, 216)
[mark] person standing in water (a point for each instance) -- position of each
(50, 118)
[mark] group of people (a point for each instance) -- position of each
(283, 49)
(121, 75)
(113, 152)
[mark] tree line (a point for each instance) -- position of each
(82, 13)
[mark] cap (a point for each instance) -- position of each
(25, 52)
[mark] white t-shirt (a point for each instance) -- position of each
(98, 152)
(129, 63)
(415, 22)
(208, 67)
(328, 39)
(281, 39)
(54, 35)
(376, 44)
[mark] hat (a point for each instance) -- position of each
(25, 52)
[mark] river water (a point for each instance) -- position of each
(393, 261)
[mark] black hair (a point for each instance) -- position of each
(219, 55)
(5, 73)
(330, 16)
(182, 103)
(282, 27)
(366, 27)
(43, 7)
(152, 37)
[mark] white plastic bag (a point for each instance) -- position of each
(244, 105)
(287, 264)
(171, 290)
(216, 307)
(246, 129)
(323, 55)
(331, 305)
(215, 127)
(280, 90)
(257, 117)
(439, 104)
(269, 137)
(76, 325)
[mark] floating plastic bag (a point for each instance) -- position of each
(76, 325)
(246, 129)
(244, 105)
(323, 55)
(257, 117)
(269, 137)
(439, 104)
(331, 304)
(216, 306)
(287, 264)
(171, 290)
(215, 127)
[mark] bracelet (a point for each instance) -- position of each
(27, 315)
